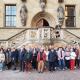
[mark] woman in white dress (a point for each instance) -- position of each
(2, 59)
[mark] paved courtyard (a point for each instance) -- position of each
(58, 75)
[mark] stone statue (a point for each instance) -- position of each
(60, 12)
(43, 4)
(23, 15)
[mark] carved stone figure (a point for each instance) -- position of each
(23, 15)
(60, 12)
(43, 4)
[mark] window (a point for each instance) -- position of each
(10, 15)
(70, 18)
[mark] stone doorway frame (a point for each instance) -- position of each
(43, 15)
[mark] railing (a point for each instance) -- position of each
(71, 37)
(35, 35)
(73, 34)
(40, 36)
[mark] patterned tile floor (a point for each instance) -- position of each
(57, 75)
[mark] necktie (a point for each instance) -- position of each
(61, 53)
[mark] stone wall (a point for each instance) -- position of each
(1, 13)
(33, 7)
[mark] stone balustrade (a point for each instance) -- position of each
(40, 36)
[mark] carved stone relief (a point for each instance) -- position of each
(60, 14)
(23, 14)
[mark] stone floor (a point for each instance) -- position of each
(58, 75)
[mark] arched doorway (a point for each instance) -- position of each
(43, 19)
(42, 23)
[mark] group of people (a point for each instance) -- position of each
(40, 58)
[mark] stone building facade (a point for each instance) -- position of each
(39, 21)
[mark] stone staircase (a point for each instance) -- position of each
(66, 37)
(31, 36)
(40, 36)
(71, 38)
(7, 33)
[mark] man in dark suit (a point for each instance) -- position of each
(22, 53)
